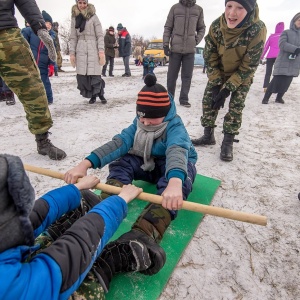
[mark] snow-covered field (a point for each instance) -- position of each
(226, 259)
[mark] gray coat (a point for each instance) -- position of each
(289, 41)
(184, 28)
(86, 44)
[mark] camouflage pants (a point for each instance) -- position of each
(90, 289)
(20, 72)
(59, 59)
(233, 118)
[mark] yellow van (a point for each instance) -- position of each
(156, 50)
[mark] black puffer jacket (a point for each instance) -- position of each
(28, 9)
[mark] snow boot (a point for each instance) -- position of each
(266, 97)
(88, 201)
(207, 139)
(45, 147)
(226, 147)
(103, 100)
(10, 98)
(2, 96)
(133, 251)
(92, 100)
(279, 98)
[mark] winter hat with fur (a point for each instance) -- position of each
(153, 99)
(16, 203)
(247, 4)
(46, 17)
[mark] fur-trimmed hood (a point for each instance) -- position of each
(188, 3)
(87, 13)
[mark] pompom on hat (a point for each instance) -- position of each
(247, 4)
(16, 203)
(153, 99)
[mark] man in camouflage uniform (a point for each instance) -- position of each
(19, 70)
(232, 53)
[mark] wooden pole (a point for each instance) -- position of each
(187, 205)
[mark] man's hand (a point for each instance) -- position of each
(167, 50)
(101, 58)
(45, 37)
(79, 171)
(172, 195)
(87, 182)
(220, 99)
(50, 70)
(73, 60)
(129, 192)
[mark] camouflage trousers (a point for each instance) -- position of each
(90, 289)
(59, 59)
(21, 74)
(233, 118)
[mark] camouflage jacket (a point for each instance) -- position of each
(232, 55)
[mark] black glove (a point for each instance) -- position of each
(297, 52)
(214, 91)
(220, 99)
(45, 37)
(167, 50)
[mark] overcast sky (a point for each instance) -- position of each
(147, 18)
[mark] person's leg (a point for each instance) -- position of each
(186, 76)
(105, 66)
(268, 92)
(269, 68)
(47, 85)
(111, 66)
(59, 61)
(173, 70)
(126, 64)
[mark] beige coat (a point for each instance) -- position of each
(86, 44)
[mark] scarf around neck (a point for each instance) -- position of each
(143, 142)
(80, 22)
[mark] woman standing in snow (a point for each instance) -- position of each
(87, 50)
(287, 64)
(271, 49)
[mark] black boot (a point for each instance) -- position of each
(45, 147)
(92, 100)
(266, 97)
(55, 73)
(133, 251)
(279, 98)
(10, 98)
(2, 96)
(207, 139)
(103, 100)
(226, 147)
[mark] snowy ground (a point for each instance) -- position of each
(226, 259)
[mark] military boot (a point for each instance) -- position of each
(133, 251)
(88, 201)
(45, 147)
(207, 139)
(226, 147)
(10, 98)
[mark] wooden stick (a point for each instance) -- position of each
(205, 209)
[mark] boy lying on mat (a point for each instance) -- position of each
(155, 148)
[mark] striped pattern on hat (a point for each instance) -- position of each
(153, 99)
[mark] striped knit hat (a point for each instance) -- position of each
(153, 99)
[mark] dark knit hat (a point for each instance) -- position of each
(120, 26)
(153, 99)
(46, 17)
(247, 4)
(111, 28)
(83, 0)
(16, 203)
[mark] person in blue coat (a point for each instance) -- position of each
(40, 53)
(26, 272)
(155, 148)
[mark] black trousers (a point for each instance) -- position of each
(269, 68)
(108, 60)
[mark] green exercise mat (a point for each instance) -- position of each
(141, 287)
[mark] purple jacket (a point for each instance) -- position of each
(272, 44)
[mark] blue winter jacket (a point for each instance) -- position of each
(175, 145)
(39, 50)
(58, 270)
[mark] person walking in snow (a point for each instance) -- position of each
(232, 52)
(287, 64)
(21, 74)
(271, 51)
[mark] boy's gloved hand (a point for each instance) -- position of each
(167, 50)
(297, 52)
(219, 100)
(50, 70)
(45, 37)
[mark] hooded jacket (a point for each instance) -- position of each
(28, 9)
(87, 44)
(289, 41)
(184, 28)
(124, 43)
(272, 44)
(232, 55)
(176, 146)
